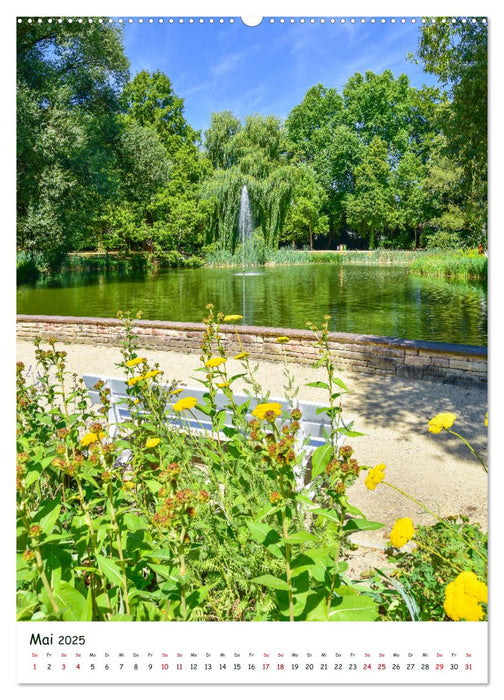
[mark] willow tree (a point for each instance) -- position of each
(255, 157)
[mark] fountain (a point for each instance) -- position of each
(245, 227)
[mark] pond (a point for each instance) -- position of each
(378, 300)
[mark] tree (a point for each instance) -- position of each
(457, 53)
(68, 84)
(411, 198)
(218, 138)
(161, 170)
(370, 208)
(149, 100)
(304, 217)
(255, 156)
(310, 124)
(379, 106)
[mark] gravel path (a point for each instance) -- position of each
(438, 470)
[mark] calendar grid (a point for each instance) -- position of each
(174, 653)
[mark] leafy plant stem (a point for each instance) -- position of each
(476, 454)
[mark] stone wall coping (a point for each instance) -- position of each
(268, 332)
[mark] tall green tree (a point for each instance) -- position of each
(457, 53)
(305, 217)
(380, 106)
(150, 101)
(68, 84)
(161, 169)
(370, 209)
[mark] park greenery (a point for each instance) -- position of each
(108, 161)
(151, 520)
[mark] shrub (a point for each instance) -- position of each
(147, 521)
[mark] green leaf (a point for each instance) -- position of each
(265, 535)
(354, 510)
(53, 570)
(47, 516)
(90, 479)
(353, 607)
(197, 597)
(331, 515)
(355, 524)
(267, 510)
(319, 385)
(71, 602)
(237, 376)
(110, 570)
(221, 419)
(320, 459)
(87, 611)
(299, 538)
(300, 564)
(27, 602)
(349, 433)
(167, 572)
(340, 383)
(160, 554)
(33, 475)
(153, 485)
(271, 582)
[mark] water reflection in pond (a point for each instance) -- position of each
(359, 299)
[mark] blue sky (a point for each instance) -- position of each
(268, 68)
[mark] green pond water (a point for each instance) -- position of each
(359, 299)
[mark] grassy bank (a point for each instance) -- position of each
(290, 256)
(457, 264)
(30, 267)
(462, 265)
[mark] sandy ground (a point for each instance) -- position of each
(437, 470)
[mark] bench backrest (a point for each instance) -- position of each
(314, 425)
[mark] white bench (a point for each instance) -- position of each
(315, 427)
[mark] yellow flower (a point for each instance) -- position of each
(375, 475)
(241, 355)
(88, 439)
(215, 361)
(135, 380)
(463, 597)
(402, 532)
(223, 385)
(135, 361)
(262, 409)
(185, 403)
(232, 318)
(283, 339)
(486, 420)
(152, 373)
(177, 391)
(152, 442)
(441, 421)
(473, 586)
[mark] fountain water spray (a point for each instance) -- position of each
(245, 221)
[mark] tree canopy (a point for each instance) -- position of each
(110, 162)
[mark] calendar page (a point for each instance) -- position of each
(252, 330)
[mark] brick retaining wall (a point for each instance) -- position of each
(370, 354)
